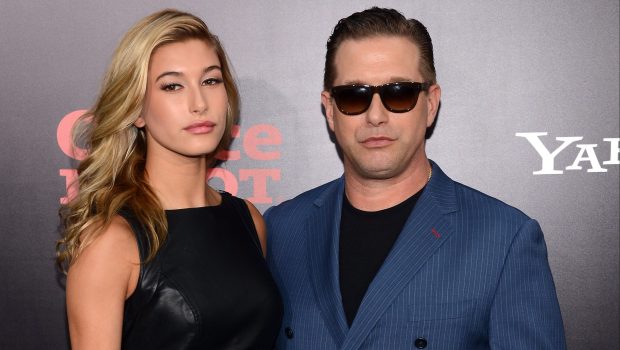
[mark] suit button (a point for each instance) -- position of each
(289, 332)
(420, 343)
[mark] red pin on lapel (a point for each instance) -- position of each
(435, 233)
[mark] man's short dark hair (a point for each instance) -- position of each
(380, 22)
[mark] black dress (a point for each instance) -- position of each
(208, 287)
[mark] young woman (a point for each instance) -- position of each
(156, 258)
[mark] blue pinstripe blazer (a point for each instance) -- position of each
(466, 272)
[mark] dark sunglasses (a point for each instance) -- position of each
(398, 97)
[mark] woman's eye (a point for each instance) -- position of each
(171, 87)
(212, 81)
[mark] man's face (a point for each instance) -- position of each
(378, 144)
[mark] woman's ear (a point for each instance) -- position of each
(139, 123)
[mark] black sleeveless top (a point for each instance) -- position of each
(208, 287)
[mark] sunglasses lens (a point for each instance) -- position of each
(352, 99)
(396, 97)
(400, 97)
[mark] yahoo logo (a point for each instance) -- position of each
(586, 153)
(253, 143)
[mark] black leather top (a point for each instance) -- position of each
(208, 286)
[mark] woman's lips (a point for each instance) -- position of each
(200, 128)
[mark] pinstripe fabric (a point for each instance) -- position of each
(467, 272)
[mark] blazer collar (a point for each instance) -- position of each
(323, 228)
(424, 232)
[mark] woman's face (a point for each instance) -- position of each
(184, 112)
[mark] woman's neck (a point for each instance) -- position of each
(180, 182)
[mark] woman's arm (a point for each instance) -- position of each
(261, 228)
(98, 282)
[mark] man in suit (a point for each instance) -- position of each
(394, 254)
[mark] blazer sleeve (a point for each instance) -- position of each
(525, 313)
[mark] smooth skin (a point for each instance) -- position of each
(384, 156)
(184, 118)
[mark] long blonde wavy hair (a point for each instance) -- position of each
(112, 176)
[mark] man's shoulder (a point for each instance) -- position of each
(472, 200)
(300, 204)
(455, 196)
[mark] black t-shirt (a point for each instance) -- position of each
(366, 238)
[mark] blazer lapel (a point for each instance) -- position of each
(323, 228)
(425, 231)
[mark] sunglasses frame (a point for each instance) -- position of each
(379, 89)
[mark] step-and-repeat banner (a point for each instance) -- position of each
(529, 114)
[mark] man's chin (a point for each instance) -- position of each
(376, 173)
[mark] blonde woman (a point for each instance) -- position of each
(156, 258)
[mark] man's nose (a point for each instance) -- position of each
(376, 113)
